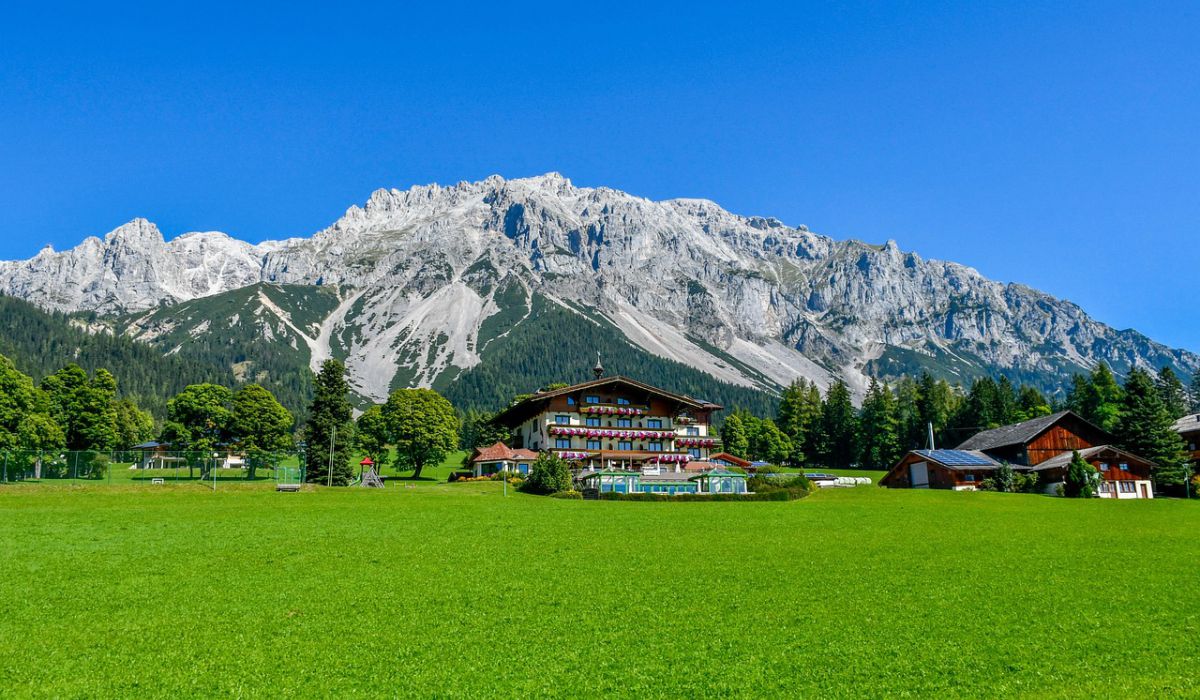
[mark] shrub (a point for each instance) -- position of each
(549, 474)
(570, 495)
(1081, 480)
(785, 494)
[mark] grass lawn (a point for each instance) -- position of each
(451, 589)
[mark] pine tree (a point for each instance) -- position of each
(1195, 403)
(733, 436)
(839, 426)
(1145, 428)
(1031, 404)
(908, 414)
(798, 417)
(1171, 391)
(329, 432)
(880, 428)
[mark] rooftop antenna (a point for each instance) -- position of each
(598, 370)
(930, 424)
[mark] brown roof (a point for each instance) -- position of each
(738, 461)
(1020, 433)
(542, 396)
(501, 452)
(1064, 459)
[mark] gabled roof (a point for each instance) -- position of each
(959, 459)
(1020, 433)
(1064, 459)
(725, 456)
(1188, 424)
(522, 406)
(500, 452)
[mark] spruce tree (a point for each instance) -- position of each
(1103, 406)
(879, 446)
(1171, 391)
(1195, 401)
(1145, 428)
(839, 426)
(329, 425)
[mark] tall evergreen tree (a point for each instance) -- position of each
(1030, 404)
(1145, 428)
(879, 445)
(911, 430)
(734, 439)
(1172, 392)
(839, 426)
(329, 432)
(1195, 391)
(799, 418)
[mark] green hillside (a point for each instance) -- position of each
(41, 343)
(556, 345)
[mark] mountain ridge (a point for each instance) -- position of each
(748, 300)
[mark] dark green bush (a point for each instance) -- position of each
(570, 495)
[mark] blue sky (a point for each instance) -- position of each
(1053, 144)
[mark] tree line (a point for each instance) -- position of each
(808, 429)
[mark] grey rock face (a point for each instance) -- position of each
(748, 299)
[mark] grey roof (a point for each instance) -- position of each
(1188, 424)
(1015, 434)
(959, 459)
(1063, 459)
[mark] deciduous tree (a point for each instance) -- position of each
(734, 439)
(260, 425)
(423, 427)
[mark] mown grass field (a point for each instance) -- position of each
(455, 590)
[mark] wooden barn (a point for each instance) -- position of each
(1043, 445)
(1034, 441)
(960, 470)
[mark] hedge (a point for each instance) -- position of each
(780, 495)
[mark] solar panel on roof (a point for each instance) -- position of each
(957, 458)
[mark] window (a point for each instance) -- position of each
(693, 431)
(1126, 486)
(624, 422)
(656, 447)
(592, 422)
(694, 453)
(1106, 487)
(1103, 466)
(654, 423)
(970, 477)
(562, 420)
(625, 445)
(622, 402)
(562, 443)
(593, 444)
(592, 399)
(1124, 467)
(570, 400)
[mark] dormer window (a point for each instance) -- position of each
(592, 399)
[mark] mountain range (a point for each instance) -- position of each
(486, 289)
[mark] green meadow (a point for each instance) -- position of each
(436, 589)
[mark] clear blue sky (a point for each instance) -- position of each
(1041, 143)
